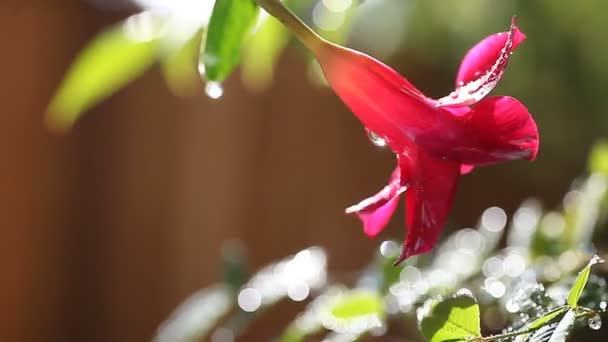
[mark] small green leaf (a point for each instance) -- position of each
(598, 159)
(229, 25)
(581, 281)
(110, 61)
(452, 319)
(351, 312)
(548, 317)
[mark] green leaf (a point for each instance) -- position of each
(180, 66)
(548, 317)
(229, 25)
(581, 281)
(452, 319)
(110, 61)
(357, 304)
(598, 159)
(351, 312)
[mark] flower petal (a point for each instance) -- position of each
(483, 66)
(384, 101)
(466, 168)
(433, 184)
(501, 129)
(376, 211)
(496, 129)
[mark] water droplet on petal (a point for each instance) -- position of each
(376, 139)
(214, 90)
(595, 321)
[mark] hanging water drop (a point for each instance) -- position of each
(214, 90)
(594, 321)
(376, 139)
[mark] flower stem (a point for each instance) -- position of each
(305, 34)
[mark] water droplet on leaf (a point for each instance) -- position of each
(214, 90)
(376, 139)
(595, 321)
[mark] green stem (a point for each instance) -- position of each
(585, 312)
(305, 34)
(508, 335)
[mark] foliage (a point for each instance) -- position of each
(459, 293)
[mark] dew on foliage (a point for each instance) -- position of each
(298, 291)
(493, 267)
(249, 299)
(494, 219)
(514, 265)
(495, 287)
(595, 321)
(512, 306)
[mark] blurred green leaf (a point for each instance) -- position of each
(180, 66)
(196, 317)
(452, 319)
(598, 159)
(228, 27)
(581, 281)
(110, 61)
(341, 33)
(261, 53)
(357, 304)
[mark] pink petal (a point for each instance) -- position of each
(501, 129)
(497, 129)
(483, 66)
(376, 211)
(433, 184)
(384, 101)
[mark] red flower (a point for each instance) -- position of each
(434, 140)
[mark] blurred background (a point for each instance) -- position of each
(107, 228)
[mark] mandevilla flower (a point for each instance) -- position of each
(434, 140)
